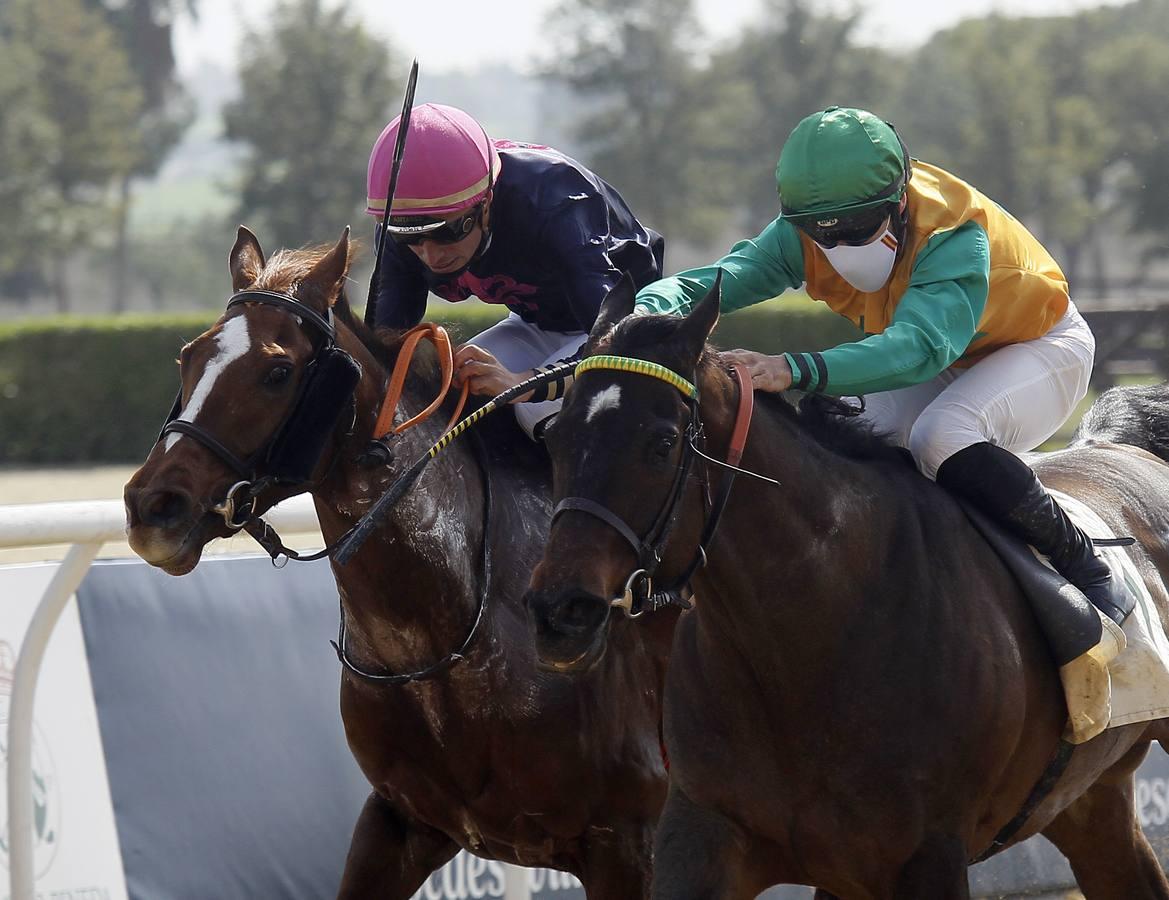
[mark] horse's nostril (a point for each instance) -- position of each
(165, 508)
(580, 612)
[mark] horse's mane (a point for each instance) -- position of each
(816, 416)
(284, 271)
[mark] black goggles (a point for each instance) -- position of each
(448, 232)
(849, 228)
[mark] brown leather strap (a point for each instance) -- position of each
(438, 336)
(743, 416)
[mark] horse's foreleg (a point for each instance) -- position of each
(698, 854)
(1109, 854)
(619, 864)
(390, 857)
(936, 871)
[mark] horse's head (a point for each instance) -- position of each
(621, 457)
(262, 393)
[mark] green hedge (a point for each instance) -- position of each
(96, 390)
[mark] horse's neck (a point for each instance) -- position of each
(412, 589)
(798, 552)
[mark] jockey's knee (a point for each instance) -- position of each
(534, 416)
(936, 436)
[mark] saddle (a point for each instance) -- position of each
(1082, 639)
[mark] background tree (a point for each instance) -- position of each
(315, 93)
(1053, 118)
(144, 31)
(651, 121)
(86, 105)
(794, 62)
(1130, 75)
(975, 106)
(26, 146)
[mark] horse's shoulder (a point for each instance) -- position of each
(520, 469)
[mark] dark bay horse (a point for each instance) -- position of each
(860, 699)
(493, 754)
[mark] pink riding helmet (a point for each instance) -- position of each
(448, 164)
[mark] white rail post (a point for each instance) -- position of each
(24, 686)
(86, 525)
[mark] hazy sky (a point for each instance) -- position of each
(449, 34)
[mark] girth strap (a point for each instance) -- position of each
(1047, 780)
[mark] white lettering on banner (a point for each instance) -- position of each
(552, 880)
(468, 877)
(1152, 801)
(475, 868)
(76, 853)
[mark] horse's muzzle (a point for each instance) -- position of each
(569, 627)
(162, 509)
(166, 528)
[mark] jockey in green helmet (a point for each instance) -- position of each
(973, 350)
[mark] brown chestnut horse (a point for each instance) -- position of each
(490, 753)
(860, 699)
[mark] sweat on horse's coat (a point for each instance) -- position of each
(466, 759)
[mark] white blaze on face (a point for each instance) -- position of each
(609, 398)
(231, 343)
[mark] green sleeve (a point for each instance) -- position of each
(932, 326)
(753, 271)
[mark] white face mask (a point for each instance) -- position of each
(866, 267)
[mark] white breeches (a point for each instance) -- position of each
(520, 345)
(1015, 398)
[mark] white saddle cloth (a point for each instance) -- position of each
(1135, 685)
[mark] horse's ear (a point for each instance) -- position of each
(323, 283)
(618, 303)
(246, 260)
(699, 323)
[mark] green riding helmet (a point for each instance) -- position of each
(840, 163)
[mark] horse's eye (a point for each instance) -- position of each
(277, 375)
(663, 445)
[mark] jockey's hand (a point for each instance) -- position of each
(768, 373)
(485, 374)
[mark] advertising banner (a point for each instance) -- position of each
(203, 712)
(77, 856)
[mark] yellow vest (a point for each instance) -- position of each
(1028, 292)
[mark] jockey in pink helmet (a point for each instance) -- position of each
(511, 223)
(449, 168)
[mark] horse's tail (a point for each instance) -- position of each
(1129, 415)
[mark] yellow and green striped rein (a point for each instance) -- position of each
(464, 424)
(641, 367)
(616, 363)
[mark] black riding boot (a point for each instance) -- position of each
(1003, 486)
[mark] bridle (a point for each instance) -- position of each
(639, 595)
(329, 383)
(290, 456)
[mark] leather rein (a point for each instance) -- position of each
(639, 595)
(238, 506)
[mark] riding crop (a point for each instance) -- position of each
(395, 165)
(352, 541)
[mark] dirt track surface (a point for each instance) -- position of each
(75, 483)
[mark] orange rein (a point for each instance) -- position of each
(446, 360)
